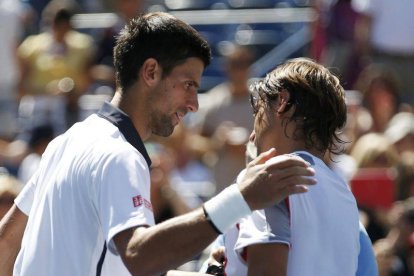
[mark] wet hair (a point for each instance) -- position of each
(317, 97)
(160, 36)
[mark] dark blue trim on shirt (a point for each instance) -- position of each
(101, 261)
(121, 120)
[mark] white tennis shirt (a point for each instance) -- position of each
(93, 182)
(320, 226)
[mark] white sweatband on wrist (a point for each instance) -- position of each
(226, 208)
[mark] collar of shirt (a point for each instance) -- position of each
(125, 126)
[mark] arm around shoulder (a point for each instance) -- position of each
(165, 246)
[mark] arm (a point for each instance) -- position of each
(184, 273)
(154, 250)
(267, 259)
(11, 233)
(164, 246)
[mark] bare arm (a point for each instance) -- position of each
(267, 259)
(154, 250)
(11, 233)
(184, 273)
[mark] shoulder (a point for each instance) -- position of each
(79, 40)
(33, 43)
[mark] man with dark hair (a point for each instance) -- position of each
(54, 69)
(299, 108)
(91, 191)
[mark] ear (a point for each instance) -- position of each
(284, 97)
(150, 72)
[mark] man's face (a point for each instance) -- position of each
(263, 135)
(175, 96)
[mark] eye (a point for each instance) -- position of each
(187, 85)
(191, 86)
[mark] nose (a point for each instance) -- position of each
(192, 103)
(252, 136)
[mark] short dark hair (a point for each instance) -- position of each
(160, 36)
(62, 16)
(317, 97)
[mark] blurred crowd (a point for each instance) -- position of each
(53, 75)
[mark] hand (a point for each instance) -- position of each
(270, 179)
(216, 261)
(217, 256)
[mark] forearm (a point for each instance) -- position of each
(184, 273)
(11, 232)
(157, 249)
(7, 259)
(267, 259)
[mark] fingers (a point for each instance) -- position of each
(293, 176)
(294, 189)
(219, 254)
(297, 173)
(217, 258)
(285, 161)
(263, 157)
(293, 180)
(268, 182)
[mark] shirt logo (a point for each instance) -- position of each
(139, 200)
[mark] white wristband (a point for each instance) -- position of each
(226, 208)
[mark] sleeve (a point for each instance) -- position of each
(123, 199)
(367, 265)
(24, 200)
(271, 225)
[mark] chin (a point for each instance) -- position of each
(164, 132)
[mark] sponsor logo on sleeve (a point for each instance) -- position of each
(139, 200)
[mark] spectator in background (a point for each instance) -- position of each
(54, 66)
(381, 96)
(400, 131)
(394, 252)
(102, 72)
(385, 33)
(227, 122)
(166, 202)
(375, 151)
(190, 177)
(39, 138)
(10, 33)
(341, 52)
(125, 10)
(388, 262)
(405, 187)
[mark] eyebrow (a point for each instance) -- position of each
(196, 84)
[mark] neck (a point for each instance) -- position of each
(136, 112)
(285, 144)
